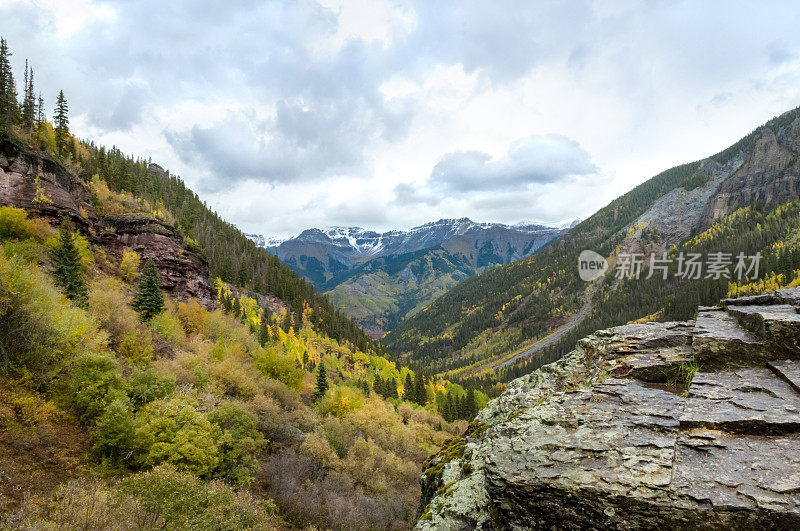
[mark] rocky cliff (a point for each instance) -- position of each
(44, 188)
(672, 425)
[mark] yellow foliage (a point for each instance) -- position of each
(129, 265)
(15, 224)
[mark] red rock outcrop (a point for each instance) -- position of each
(182, 272)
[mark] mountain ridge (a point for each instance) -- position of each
(490, 317)
(381, 278)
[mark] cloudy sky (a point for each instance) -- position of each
(382, 114)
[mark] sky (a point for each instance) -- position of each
(295, 114)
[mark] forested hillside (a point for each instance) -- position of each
(157, 370)
(731, 202)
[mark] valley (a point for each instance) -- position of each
(381, 279)
(262, 265)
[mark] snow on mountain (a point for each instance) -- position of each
(350, 245)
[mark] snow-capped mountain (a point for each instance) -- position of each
(378, 278)
(336, 248)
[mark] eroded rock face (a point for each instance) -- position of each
(672, 425)
(182, 273)
(59, 193)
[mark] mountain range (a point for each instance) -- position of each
(512, 319)
(381, 278)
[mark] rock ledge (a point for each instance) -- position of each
(681, 425)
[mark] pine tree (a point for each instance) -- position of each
(28, 113)
(149, 301)
(471, 406)
(263, 331)
(8, 91)
(66, 262)
(408, 391)
(61, 119)
(420, 394)
(322, 383)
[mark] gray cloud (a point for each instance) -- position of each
(301, 108)
(531, 161)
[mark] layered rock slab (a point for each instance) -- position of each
(610, 437)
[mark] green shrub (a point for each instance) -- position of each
(340, 401)
(146, 385)
(167, 326)
(93, 381)
(279, 367)
(15, 225)
(240, 441)
(185, 502)
(162, 498)
(113, 433)
(173, 431)
(136, 346)
(38, 328)
(29, 251)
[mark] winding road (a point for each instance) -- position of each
(560, 332)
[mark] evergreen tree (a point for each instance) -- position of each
(287, 321)
(263, 331)
(236, 308)
(420, 393)
(8, 91)
(409, 391)
(471, 405)
(28, 112)
(322, 383)
(391, 388)
(149, 301)
(66, 262)
(61, 119)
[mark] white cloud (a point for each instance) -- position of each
(292, 114)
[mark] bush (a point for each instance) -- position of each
(194, 318)
(146, 385)
(317, 447)
(29, 251)
(239, 444)
(108, 303)
(278, 366)
(293, 480)
(173, 431)
(129, 265)
(163, 498)
(136, 346)
(38, 328)
(15, 225)
(167, 326)
(113, 433)
(184, 502)
(93, 380)
(340, 401)
(233, 377)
